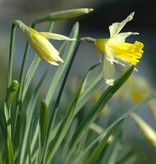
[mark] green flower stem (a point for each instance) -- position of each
(11, 53)
(7, 112)
(64, 82)
(21, 81)
(65, 79)
(88, 39)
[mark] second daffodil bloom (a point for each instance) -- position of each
(40, 43)
(116, 50)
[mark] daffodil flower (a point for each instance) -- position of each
(40, 43)
(116, 50)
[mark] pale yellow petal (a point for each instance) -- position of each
(115, 28)
(109, 72)
(55, 36)
(122, 36)
(53, 63)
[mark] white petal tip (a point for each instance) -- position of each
(72, 39)
(110, 82)
(54, 63)
(132, 14)
(60, 60)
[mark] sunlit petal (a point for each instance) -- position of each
(123, 35)
(40, 44)
(115, 28)
(54, 36)
(109, 72)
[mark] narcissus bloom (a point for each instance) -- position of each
(116, 50)
(40, 43)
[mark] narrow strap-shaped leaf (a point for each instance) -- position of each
(66, 57)
(94, 112)
(97, 151)
(136, 107)
(3, 125)
(120, 119)
(9, 148)
(11, 91)
(20, 91)
(94, 83)
(66, 121)
(30, 73)
(11, 53)
(21, 81)
(44, 114)
(29, 114)
(34, 145)
(29, 141)
(110, 155)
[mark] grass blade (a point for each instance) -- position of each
(29, 114)
(97, 151)
(11, 53)
(44, 117)
(65, 123)
(66, 57)
(30, 73)
(94, 112)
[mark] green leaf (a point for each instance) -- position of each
(97, 151)
(101, 140)
(1, 162)
(9, 147)
(66, 57)
(65, 123)
(94, 112)
(93, 84)
(25, 128)
(56, 79)
(136, 107)
(32, 69)
(61, 15)
(44, 117)
(110, 155)
(34, 145)
(11, 91)
(11, 53)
